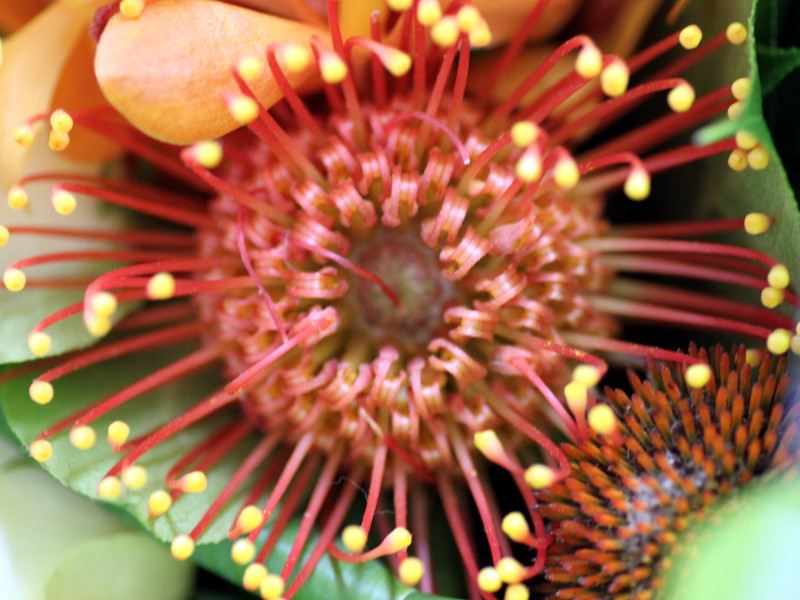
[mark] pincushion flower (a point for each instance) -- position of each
(397, 279)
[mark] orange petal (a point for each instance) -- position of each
(15, 13)
(166, 71)
(618, 26)
(33, 59)
(506, 16)
(306, 11)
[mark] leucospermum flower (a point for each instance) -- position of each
(398, 279)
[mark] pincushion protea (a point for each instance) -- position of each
(395, 278)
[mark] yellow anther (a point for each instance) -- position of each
(103, 304)
(271, 587)
(757, 223)
(517, 591)
(243, 551)
(481, 35)
(681, 97)
(354, 538)
(753, 357)
(588, 375)
(746, 140)
(794, 344)
(23, 136)
(39, 342)
(158, 503)
(131, 9)
(134, 477)
(249, 67)
(411, 571)
(17, 197)
(779, 341)
(207, 153)
(428, 12)
(82, 437)
(697, 375)
(516, 527)
(399, 5)
(576, 395)
(243, 109)
(602, 419)
(253, 576)
(193, 482)
(182, 547)
(690, 37)
(737, 160)
(249, 519)
(539, 476)
(528, 167)
(758, 158)
(614, 78)
(489, 580)
(398, 539)
(58, 140)
(13, 279)
(736, 33)
(741, 88)
(797, 329)
(332, 68)
(735, 110)
(161, 286)
(468, 18)
(41, 392)
(589, 62)
(445, 32)
(488, 443)
(295, 57)
(524, 133)
(61, 121)
(4, 235)
(63, 202)
(96, 325)
(118, 433)
(41, 450)
(510, 570)
(778, 277)
(772, 297)
(566, 173)
(395, 61)
(637, 184)
(109, 487)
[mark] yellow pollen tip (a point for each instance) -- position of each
(481, 35)
(354, 538)
(63, 202)
(41, 451)
(96, 325)
(41, 392)
(61, 121)
(271, 587)
(681, 97)
(395, 61)
(193, 482)
(161, 286)
(772, 297)
(778, 277)
(566, 173)
(735, 110)
(243, 551)
(207, 153)
(182, 547)
(411, 571)
(758, 158)
(489, 580)
(17, 197)
(528, 167)
(23, 136)
(516, 527)
(488, 443)
(118, 433)
(741, 88)
(109, 487)
(39, 343)
(249, 519)
(779, 341)
(539, 476)
(468, 18)
(158, 503)
(510, 570)
(736, 33)
(253, 576)
(637, 184)
(614, 78)
(103, 304)
(134, 477)
(445, 32)
(332, 68)
(131, 9)
(589, 62)
(753, 357)
(602, 419)
(398, 539)
(13, 279)
(428, 12)
(576, 395)
(243, 109)
(4, 235)
(58, 140)
(588, 375)
(517, 591)
(794, 344)
(697, 376)
(746, 140)
(399, 5)
(690, 37)
(82, 437)
(757, 223)
(249, 67)
(737, 160)
(295, 57)
(524, 133)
